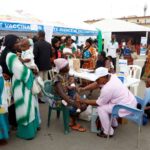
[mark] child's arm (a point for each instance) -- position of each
(24, 60)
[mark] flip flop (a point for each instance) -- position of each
(79, 128)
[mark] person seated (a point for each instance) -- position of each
(61, 88)
(112, 92)
(101, 62)
(110, 65)
(104, 61)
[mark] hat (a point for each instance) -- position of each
(100, 72)
(60, 63)
(73, 38)
(63, 38)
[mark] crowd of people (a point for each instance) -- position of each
(25, 64)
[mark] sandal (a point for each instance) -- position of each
(79, 128)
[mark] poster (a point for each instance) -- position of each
(48, 33)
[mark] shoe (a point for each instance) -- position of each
(103, 135)
(3, 142)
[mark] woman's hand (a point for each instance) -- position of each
(6, 76)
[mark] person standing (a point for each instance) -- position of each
(112, 47)
(26, 106)
(42, 54)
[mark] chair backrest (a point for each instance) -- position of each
(52, 73)
(134, 71)
(49, 90)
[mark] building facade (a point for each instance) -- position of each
(141, 20)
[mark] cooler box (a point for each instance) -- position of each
(93, 121)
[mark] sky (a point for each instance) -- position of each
(76, 10)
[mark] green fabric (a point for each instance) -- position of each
(99, 41)
(21, 87)
(29, 131)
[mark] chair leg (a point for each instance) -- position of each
(66, 120)
(139, 137)
(109, 128)
(49, 116)
(58, 114)
(135, 90)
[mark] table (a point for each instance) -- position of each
(83, 74)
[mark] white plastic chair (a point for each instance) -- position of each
(134, 71)
(52, 73)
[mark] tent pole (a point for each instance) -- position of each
(146, 37)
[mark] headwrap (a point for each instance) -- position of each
(60, 63)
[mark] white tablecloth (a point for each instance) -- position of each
(90, 76)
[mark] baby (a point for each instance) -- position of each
(27, 58)
(72, 92)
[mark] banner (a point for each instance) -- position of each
(73, 31)
(10, 26)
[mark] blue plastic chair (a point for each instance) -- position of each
(49, 91)
(136, 114)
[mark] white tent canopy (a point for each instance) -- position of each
(115, 25)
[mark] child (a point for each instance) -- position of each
(27, 58)
(111, 67)
(72, 91)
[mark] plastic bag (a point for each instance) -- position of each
(86, 115)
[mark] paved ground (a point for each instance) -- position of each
(53, 138)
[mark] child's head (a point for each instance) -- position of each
(148, 82)
(25, 44)
(71, 79)
(109, 58)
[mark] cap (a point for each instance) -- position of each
(100, 72)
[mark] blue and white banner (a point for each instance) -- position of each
(10, 26)
(73, 31)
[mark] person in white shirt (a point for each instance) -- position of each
(112, 47)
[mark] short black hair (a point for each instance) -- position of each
(67, 37)
(110, 57)
(90, 41)
(54, 41)
(41, 33)
(103, 54)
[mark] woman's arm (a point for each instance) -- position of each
(89, 102)
(61, 93)
(92, 86)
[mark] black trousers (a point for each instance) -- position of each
(114, 63)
